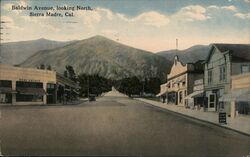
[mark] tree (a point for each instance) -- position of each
(65, 74)
(152, 85)
(71, 73)
(42, 66)
(129, 86)
(49, 67)
(95, 84)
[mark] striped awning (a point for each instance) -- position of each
(31, 91)
(236, 95)
(6, 90)
(195, 94)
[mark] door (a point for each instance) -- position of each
(212, 102)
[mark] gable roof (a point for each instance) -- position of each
(239, 52)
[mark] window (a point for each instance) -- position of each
(222, 73)
(5, 83)
(169, 85)
(180, 96)
(50, 86)
(212, 100)
(244, 69)
(29, 84)
(28, 98)
(210, 76)
(183, 84)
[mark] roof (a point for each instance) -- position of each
(66, 81)
(238, 51)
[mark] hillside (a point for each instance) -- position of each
(16, 52)
(190, 55)
(100, 55)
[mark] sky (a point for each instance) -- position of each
(152, 25)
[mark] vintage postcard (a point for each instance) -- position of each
(125, 78)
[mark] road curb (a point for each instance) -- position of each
(216, 124)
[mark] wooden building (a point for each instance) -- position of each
(223, 63)
(180, 81)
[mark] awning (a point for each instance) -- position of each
(161, 93)
(163, 89)
(236, 95)
(195, 94)
(31, 91)
(75, 91)
(6, 90)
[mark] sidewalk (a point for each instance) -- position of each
(57, 104)
(240, 124)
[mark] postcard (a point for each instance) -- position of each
(125, 78)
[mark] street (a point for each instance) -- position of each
(113, 126)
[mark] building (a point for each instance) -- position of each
(196, 99)
(239, 96)
(180, 81)
(224, 61)
(23, 86)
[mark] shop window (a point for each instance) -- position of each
(29, 84)
(5, 83)
(28, 98)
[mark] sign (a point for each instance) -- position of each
(27, 80)
(223, 117)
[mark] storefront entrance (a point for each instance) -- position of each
(211, 102)
(172, 98)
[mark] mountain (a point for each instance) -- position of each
(100, 55)
(190, 55)
(16, 52)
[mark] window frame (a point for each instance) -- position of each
(244, 65)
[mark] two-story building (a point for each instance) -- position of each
(180, 81)
(223, 62)
(24, 86)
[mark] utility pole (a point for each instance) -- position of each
(176, 42)
(88, 86)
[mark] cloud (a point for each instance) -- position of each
(10, 24)
(242, 16)
(193, 13)
(8, 6)
(89, 18)
(247, 1)
(109, 32)
(105, 12)
(213, 7)
(41, 21)
(152, 18)
(230, 8)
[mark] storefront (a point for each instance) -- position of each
(24, 86)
